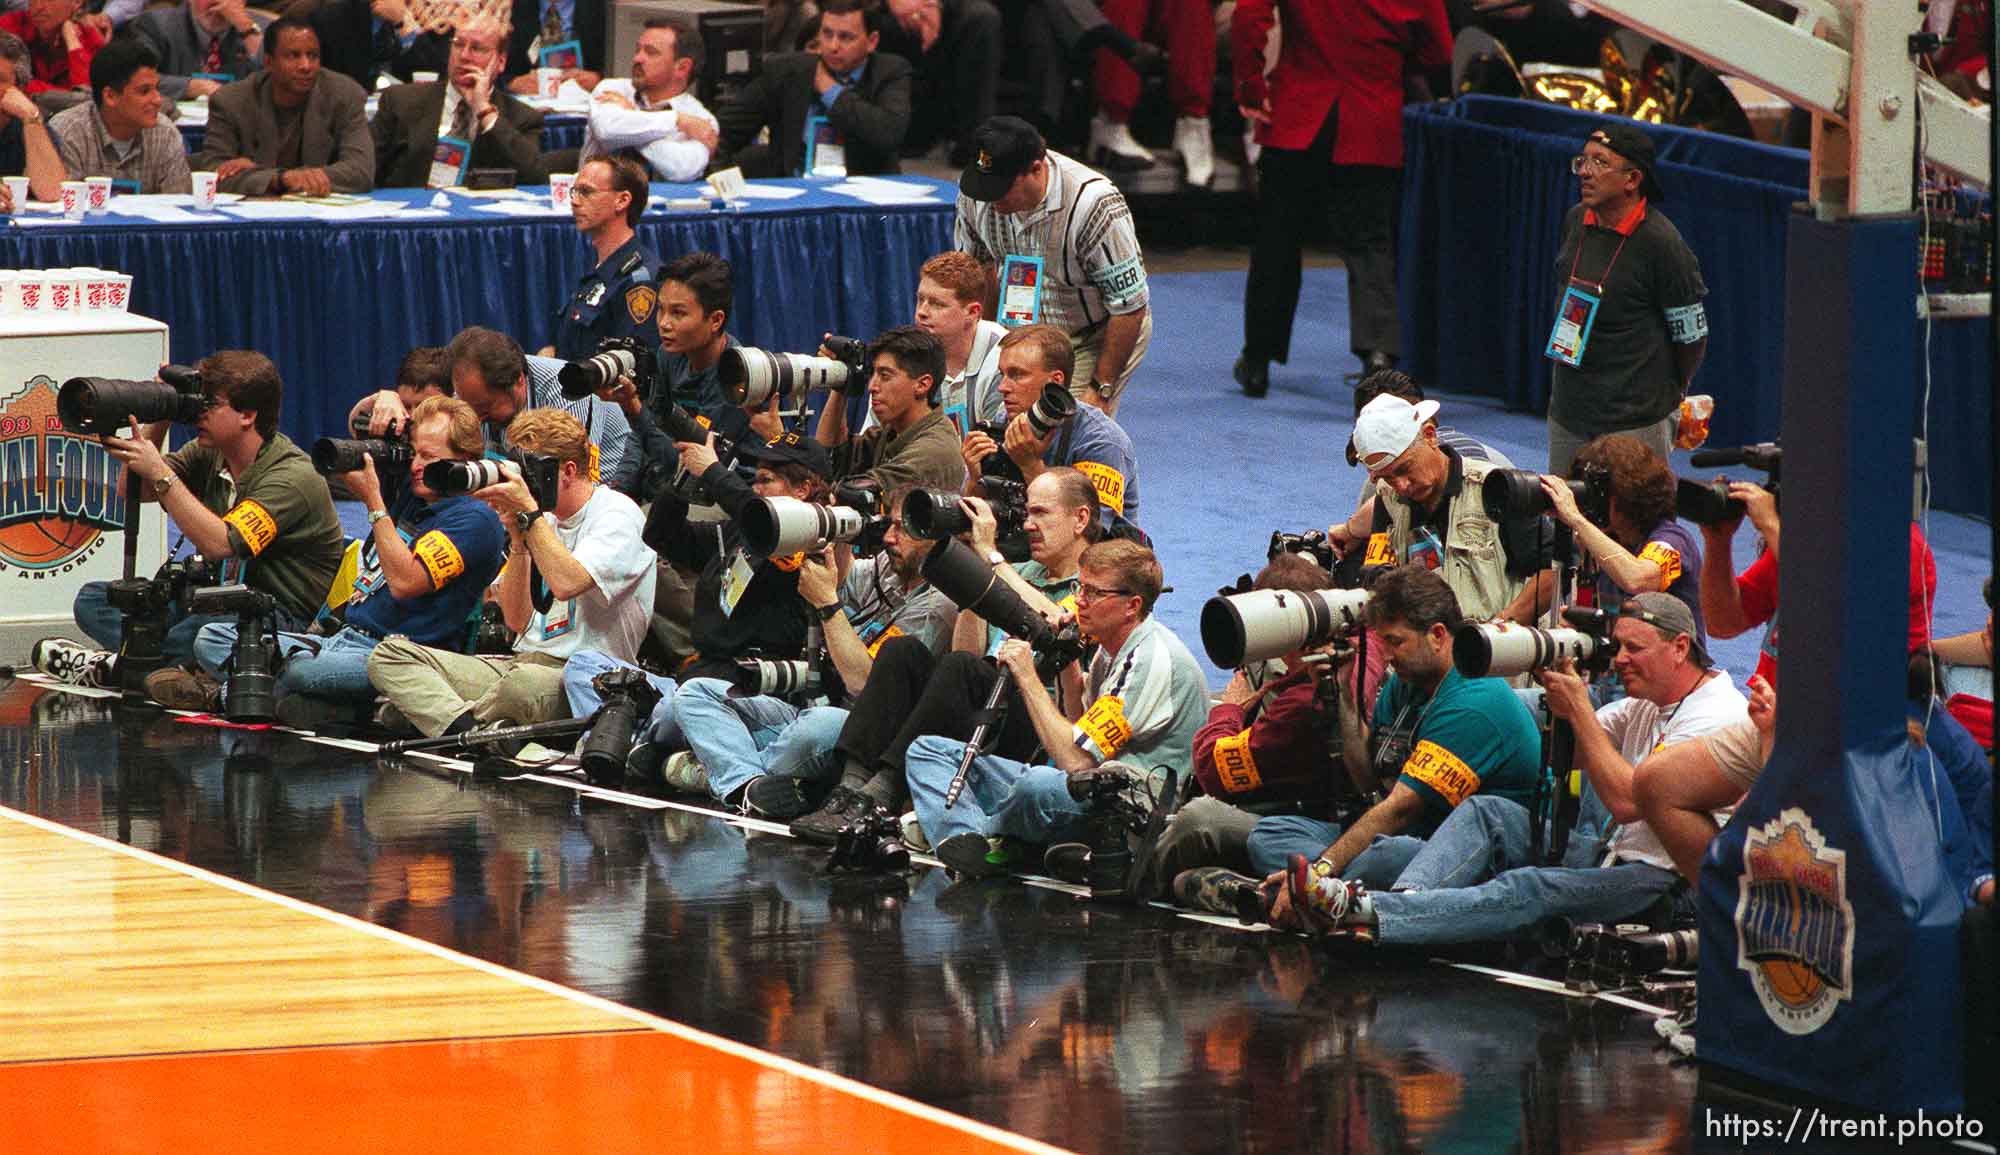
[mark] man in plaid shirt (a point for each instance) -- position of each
(119, 134)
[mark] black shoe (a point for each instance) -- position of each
(642, 766)
(779, 798)
(973, 855)
(1220, 890)
(841, 808)
(1254, 376)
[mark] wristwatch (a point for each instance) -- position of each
(375, 515)
(162, 485)
(1104, 389)
(995, 557)
(828, 612)
(525, 519)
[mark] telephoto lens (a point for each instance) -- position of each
(752, 377)
(1251, 627)
(781, 526)
(101, 405)
(343, 455)
(580, 379)
(1051, 409)
(932, 514)
(451, 478)
(756, 678)
(1504, 649)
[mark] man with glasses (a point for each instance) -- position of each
(1629, 329)
(1140, 704)
(615, 298)
(479, 124)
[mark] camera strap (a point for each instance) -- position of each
(539, 592)
(1064, 438)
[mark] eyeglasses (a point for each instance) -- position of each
(581, 191)
(1085, 592)
(1582, 161)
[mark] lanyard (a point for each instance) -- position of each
(1596, 286)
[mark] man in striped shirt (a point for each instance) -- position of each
(1060, 249)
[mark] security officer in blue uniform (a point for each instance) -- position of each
(618, 297)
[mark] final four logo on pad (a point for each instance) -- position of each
(1794, 925)
(58, 490)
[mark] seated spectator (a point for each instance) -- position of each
(424, 567)
(656, 111)
(60, 44)
(618, 294)
(588, 559)
(851, 102)
(911, 443)
(541, 27)
(26, 148)
(1031, 358)
(367, 40)
(119, 133)
(292, 128)
(951, 291)
(201, 44)
(1188, 29)
(464, 106)
(1134, 716)
(954, 46)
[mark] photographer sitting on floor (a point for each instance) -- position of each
(763, 751)
(743, 604)
(1474, 880)
(1032, 358)
(582, 579)
(911, 443)
(913, 691)
(424, 566)
(1141, 704)
(249, 501)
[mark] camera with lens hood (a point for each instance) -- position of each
(253, 663)
(1516, 495)
(758, 677)
(782, 526)
(1313, 544)
(146, 604)
(615, 357)
(1048, 412)
(969, 582)
(1609, 958)
(1506, 649)
(871, 843)
(1709, 503)
(391, 451)
(752, 377)
(682, 425)
(1246, 628)
(628, 700)
(104, 405)
(1121, 831)
(540, 472)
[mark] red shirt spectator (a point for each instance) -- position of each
(1758, 589)
(43, 25)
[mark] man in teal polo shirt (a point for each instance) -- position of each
(1437, 737)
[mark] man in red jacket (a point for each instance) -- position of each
(60, 43)
(1329, 115)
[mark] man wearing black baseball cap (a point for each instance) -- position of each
(1031, 216)
(1629, 329)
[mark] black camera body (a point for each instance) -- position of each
(615, 357)
(1506, 649)
(146, 604)
(253, 677)
(102, 405)
(1709, 503)
(629, 698)
(1109, 862)
(1516, 495)
(760, 677)
(391, 452)
(542, 474)
(1312, 543)
(853, 353)
(1609, 958)
(872, 843)
(682, 425)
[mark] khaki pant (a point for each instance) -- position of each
(433, 687)
(1205, 832)
(1090, 345)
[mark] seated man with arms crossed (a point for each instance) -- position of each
(425, 564)
(1140, 705)
(591, 573)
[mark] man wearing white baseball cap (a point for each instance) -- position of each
(1430, 508)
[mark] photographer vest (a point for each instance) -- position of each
(1470, 557)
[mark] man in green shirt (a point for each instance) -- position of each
(244, 496)
(911, 442)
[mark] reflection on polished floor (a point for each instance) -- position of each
(291, 973)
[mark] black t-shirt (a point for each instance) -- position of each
(1627, 378)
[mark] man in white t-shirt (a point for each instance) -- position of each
(656, 112)
(581, 579)
(1472, 881)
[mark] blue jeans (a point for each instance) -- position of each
(1001, 796)
(738, 739)
(1512, 902)
(106, 626)
(1487, 834)
(584, 699)
(1274, 840)
(338, 670)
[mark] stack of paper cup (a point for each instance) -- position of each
(559, 185)
(204, 191)
(121, 292)
(31, 293)
(75, 199)
(97, 290)
(99, 188)
(65, 291)
(18, 185)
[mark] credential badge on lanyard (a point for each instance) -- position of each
(1578, 311)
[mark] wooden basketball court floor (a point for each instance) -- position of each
(218, 939)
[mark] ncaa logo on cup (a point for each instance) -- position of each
(1794, 924)
(60, 490)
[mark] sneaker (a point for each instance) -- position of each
(777, 797)
(841, 808)
(684, 772)
(179, 689)
(974, 855)
(1671, 1026)
(913, 833)
(73, 663)
(1220, 890)
(1320, 899)
(1197, 151)
(1112, 144)
(642, 766)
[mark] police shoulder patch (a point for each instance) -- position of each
(639, 301)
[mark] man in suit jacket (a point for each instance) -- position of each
(216, 37)
(292, 127)
(864, 98)
(365, 39)
(536, 24)
(504, 132)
